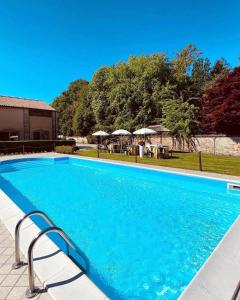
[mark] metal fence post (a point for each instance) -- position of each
(200, 160)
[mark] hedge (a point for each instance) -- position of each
(64, 149)
(13, 147)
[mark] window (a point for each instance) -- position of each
(36, 135)
(40, 113)
(4, 136)
(45, 135)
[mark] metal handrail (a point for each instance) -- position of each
(18, 263)
(33, 291)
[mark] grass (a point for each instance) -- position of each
(211, 163)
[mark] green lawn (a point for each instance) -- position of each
(211, 163)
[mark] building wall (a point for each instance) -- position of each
(11, 119)
(19, 120)
(38, 123)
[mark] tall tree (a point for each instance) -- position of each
(66, 104)
(183, 62)
(83, 120)
(201, 74)
(220, 68)
(180, 118)
(221, 105)
(126, 95)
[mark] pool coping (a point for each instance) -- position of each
(63, 279)
(208, 283)
(185, 172)
(218, 278)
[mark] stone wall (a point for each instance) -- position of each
(214, 144)
(218, 144)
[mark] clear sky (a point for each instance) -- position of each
(46, 44)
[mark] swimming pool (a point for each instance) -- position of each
(145, 233)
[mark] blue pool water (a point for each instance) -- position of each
(145, 233)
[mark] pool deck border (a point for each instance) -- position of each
(218, 278)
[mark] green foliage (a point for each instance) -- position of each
(183, 62)
(67, 104)
(201, 73)
(179, 117)
(83, 119)
(139, 92)
(217, 72)
(126, 95)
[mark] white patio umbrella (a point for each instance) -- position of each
(100, 133)
(121, 132)
(145, 131)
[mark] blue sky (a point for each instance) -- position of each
(47, 44)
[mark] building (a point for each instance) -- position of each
(163, 133)
(26, 119)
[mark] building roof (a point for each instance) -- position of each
(8, 101)
(159, 128)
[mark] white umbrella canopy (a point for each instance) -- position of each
(121, 132)
(100, 133)
(144, 131)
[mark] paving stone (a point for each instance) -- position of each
(8, 251)
(4, 291)
(13, 282)
(22, 281)
(10, 280)
(2, 277)
(16, 293)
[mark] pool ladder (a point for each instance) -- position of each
(32, 291)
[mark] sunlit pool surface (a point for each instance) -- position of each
(145, 233)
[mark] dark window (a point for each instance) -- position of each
(4, 136)
(40, 113)
(36, 135)
(45, 135)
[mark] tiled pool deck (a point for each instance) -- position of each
(13, 283)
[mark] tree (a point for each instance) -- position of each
(220, 68)
(66, 104)
(183, 62)
(83, 120)
(221, 106)
(201, 74)
(126, 95)
(180, 118)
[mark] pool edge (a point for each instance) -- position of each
(218, 278)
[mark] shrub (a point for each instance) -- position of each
(64, 149)
(91, 139)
